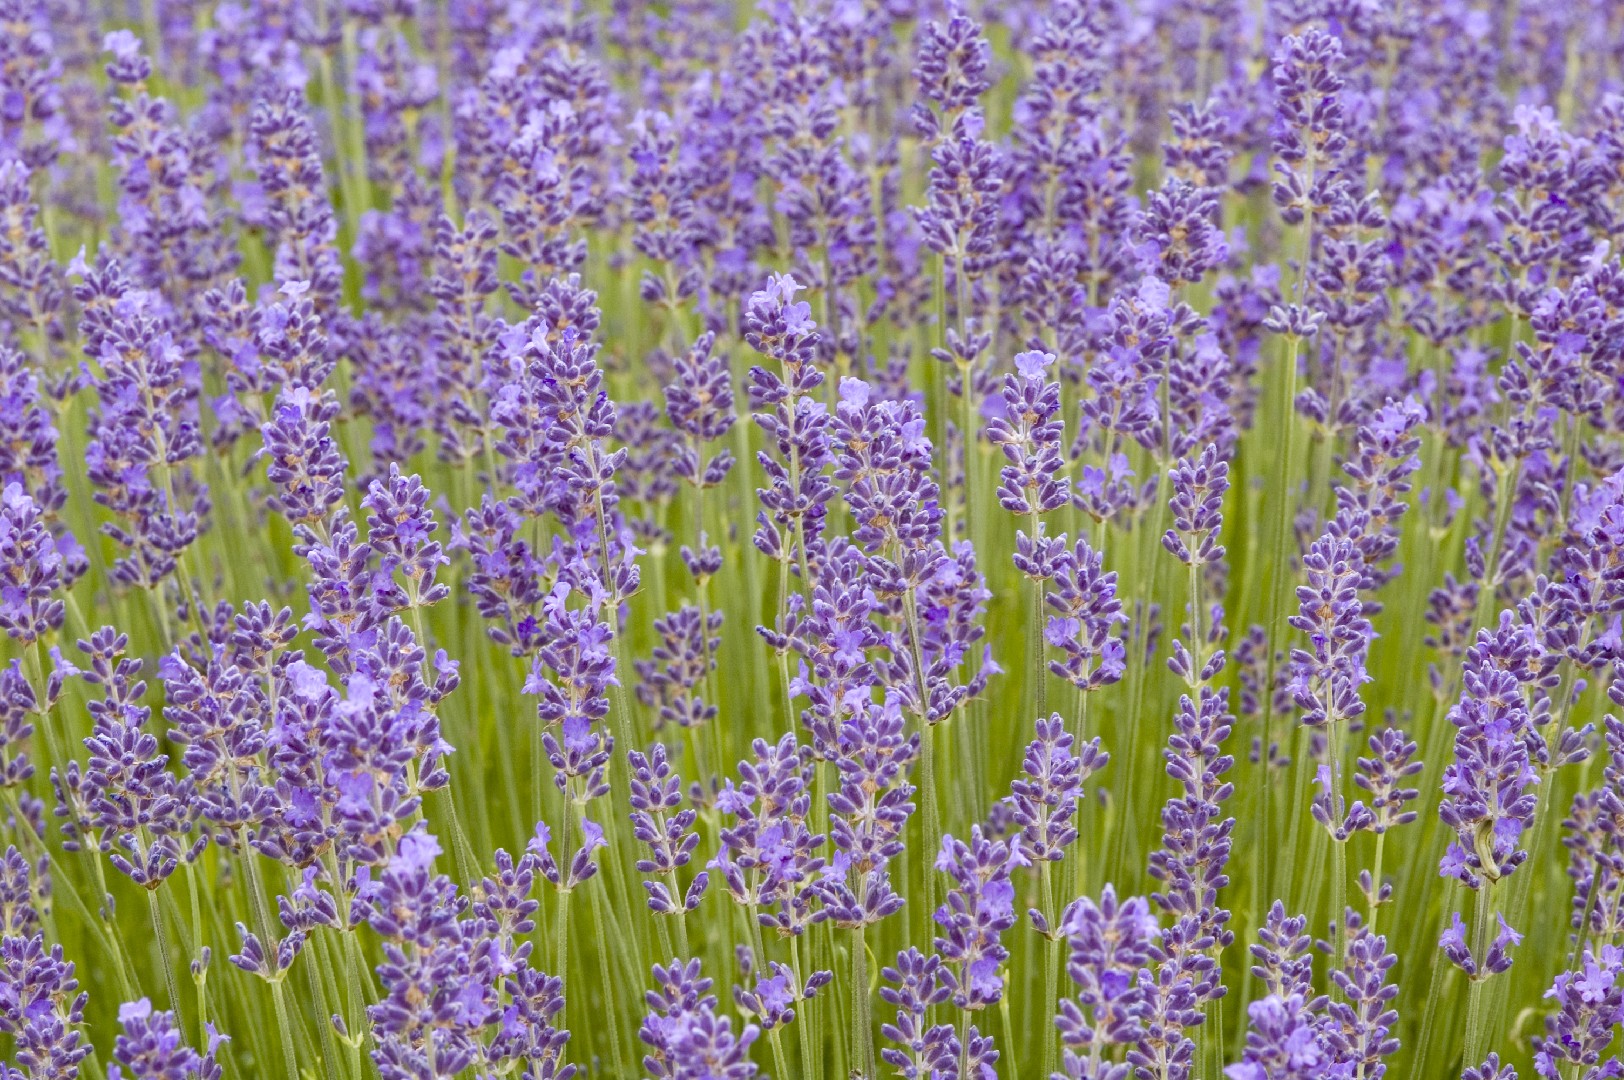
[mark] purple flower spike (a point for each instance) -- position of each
(978, 908)
(43, 1007)
(150, 1047)
(917, 984)
(1030, 434)
(1043, 799)
(1590, 1006)
(656, 795)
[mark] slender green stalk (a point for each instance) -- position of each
(862, 1024)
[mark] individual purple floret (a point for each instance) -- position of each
(144, 429)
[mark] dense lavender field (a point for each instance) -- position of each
(840, 538)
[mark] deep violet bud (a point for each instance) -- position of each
(1491, 1069)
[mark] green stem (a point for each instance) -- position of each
(862, 1026)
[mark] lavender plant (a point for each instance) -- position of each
(1094, 532)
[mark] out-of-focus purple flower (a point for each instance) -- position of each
(673, 679)
(31, 569)
(1595, 826)
(287, 155)
(145, 428)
